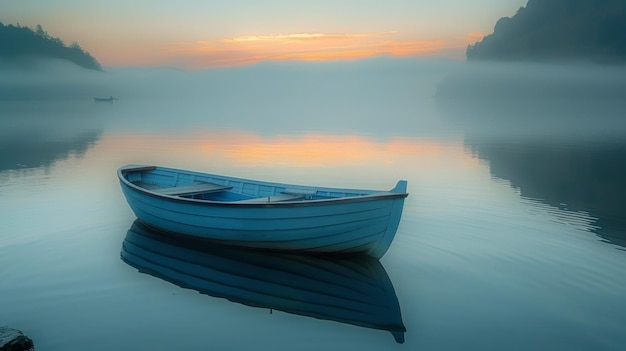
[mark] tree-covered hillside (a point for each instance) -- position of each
(17, 42)
(558, 30)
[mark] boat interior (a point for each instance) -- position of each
(210, 187)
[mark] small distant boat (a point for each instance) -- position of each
(264, 215)
(353, 290)
(107, 99)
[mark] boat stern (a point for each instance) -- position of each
(393, 223)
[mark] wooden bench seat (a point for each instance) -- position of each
(270, 199)
(303, 192)
(194, 189)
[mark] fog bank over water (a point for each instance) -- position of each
(374, 96)
(528, 100)
(367, 97)
(282, 80)
(534, 80)
(49, 79)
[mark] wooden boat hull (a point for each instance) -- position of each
(354, 290)
(329, 221)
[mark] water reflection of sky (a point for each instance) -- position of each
(306, 150)
(447, 169)
(455, 168)
(472, 252)
(497, 248)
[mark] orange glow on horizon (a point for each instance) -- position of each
(250, 49)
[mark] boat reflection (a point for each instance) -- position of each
(353, 289)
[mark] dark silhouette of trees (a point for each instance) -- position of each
(557, 30)
(18, 42)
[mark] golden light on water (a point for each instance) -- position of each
(311, 150)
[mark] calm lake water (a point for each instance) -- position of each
(513, 236)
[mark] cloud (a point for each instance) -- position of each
(243, 50)
(299, 37)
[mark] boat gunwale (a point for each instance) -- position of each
(375, 195)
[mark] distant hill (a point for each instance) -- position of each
(556, 31)
(18, 42)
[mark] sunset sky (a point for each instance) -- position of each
(206, 34)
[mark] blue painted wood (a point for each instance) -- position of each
(259, 214)
(354, 290)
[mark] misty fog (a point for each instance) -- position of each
(374, 96)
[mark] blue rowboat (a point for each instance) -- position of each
(108, 99)
(264, 215)
(353, 290)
